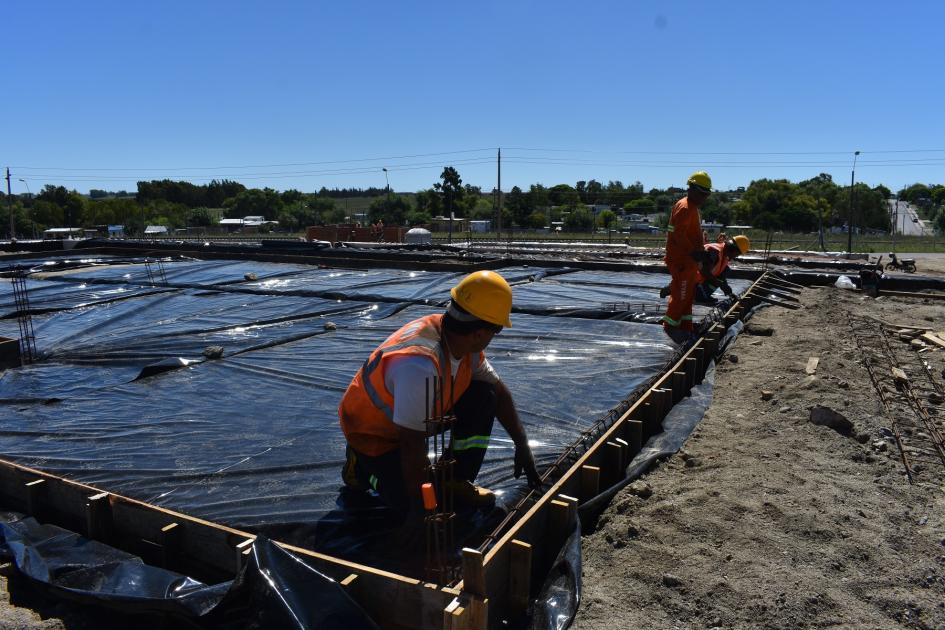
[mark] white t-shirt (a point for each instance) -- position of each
(406, 378)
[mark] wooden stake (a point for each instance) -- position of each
(520, 576)
(98, 517)
(635, 432)
(474, 577)
(170, 544)
(35, 491)
(590, 482)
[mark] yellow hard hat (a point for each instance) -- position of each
(743, 243)
(701, 179)
(485, 295)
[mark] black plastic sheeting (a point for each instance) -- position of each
(125, 399)
(274, 589)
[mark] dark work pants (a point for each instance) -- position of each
(475, 414)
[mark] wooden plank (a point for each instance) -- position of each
(590, 482)
(520, 576)
(35, 493)
(243, 549)
(692, 369)
(811, 367)
(206, 550)
(170, 544)
(613, 470)
(98, 517)
(934, 338)
(680, 380)
(474, 576)
(702, 364)
(635, 432)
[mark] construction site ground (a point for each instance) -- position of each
(764, 520)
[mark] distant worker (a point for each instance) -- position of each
(684, 255)
(713, 271)
(384, 409)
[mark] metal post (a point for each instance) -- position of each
(850, 221)
(30, 195)
(10, 206)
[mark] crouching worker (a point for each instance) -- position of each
(384, 409)
(714, 268)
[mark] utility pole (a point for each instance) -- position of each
(499, 193)
(850, 221)
(10, 205)
(895, 224)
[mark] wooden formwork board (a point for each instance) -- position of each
(206, 550)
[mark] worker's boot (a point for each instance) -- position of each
(467, 494)
(349, 471)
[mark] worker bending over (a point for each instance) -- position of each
(384, 409)
(684, 256)
(715, 267)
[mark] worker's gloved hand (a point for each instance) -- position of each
(524, 462)
(727, 290)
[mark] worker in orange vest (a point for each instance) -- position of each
(713, 270)
(383, 412)
(684, 255)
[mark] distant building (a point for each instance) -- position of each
(480, 226)
(116, 231)
(63, 232)
(155, 230)
(248, 224)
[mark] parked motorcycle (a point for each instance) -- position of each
(906, 264)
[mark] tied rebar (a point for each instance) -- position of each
(155, 269)
(442, 564)
(913, 404)
(24, 316)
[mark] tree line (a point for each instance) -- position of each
(773, 204)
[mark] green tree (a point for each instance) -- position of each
(579, 219)
(519, 206)
(254, 202)
(538, 196)
(418, 217)
(429, 202)
(537, 220)
(451, 188)
(391, 210)
(644, 206)
(606, 219)
(563, 195)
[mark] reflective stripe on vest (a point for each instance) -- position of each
(372, 364)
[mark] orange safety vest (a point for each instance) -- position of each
(722, 262)
(366, 410)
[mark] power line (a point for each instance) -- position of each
(213, 168)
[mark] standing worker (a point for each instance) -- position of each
(384, 409)
(684, 255)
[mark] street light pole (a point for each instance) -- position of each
(30, 193)
(850, 221)
(387, 179)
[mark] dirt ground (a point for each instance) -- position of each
(764, 520)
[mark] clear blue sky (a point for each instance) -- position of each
(310, 94)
